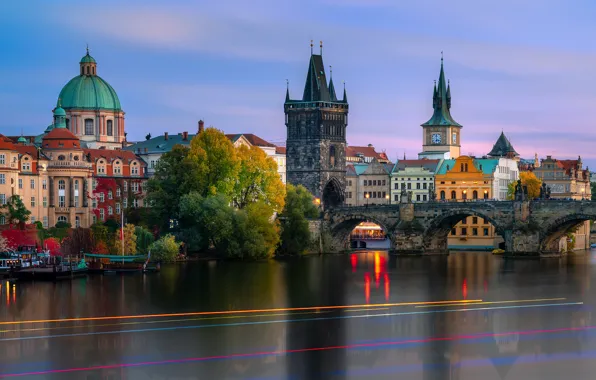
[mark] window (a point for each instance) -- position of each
(464, 231)
(424, 197)
(102, 214)
(332, 156)
(453, 196)
(94, 218)
(32, 219)
(101, 197)
(45, 222)
(384, 182)
(110, 128)
(152, 165)
(424, 186)
(110, 212)
(20, 183)
(77, 221)
(89, 127)
(134, 170)
(45, 201)
(61, 185)
(2, 159)
(443, 194)
(464, 220)
(418, 197)
(475, 220)
(61, 201)
(409, 186)
(474, 194)
(135, 203)
(486, 232)
(403, 186)
(2, 199)
(61, 157)
(396, 198)
(396, 186)
(101, 167)
(118, 192)
(125, 186)
(384, 195)
(125, 202)
(474, 231)
(464, 194)
(94, 203)
(486, 195)
(117, 208)
(26, 166)
(453, 231)
(62, 219)
(109, 194)
(32, 201)
(374, 182)
(44, 184)
(134, 187)
(32, 183)
(2, 179)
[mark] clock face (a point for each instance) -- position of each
(436, 138)
(455, 138)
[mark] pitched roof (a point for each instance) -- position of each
(280, 149)
(316, 88)
(252, 139)
(112, 154)
(60, 138)
(366, 151)
(6, 143)
(27, 149)
(441, 103)
(159, 144)
(430, 165)
(503, 148)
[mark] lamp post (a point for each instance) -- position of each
(465, 195)
(387, 197)
(366, 195)
(485, 195)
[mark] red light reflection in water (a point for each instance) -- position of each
(379, 268)
(354, 261)
(367, 287)
(464, 289)
(387, 287)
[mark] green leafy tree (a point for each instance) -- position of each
(144, 239)
(169, 184)
(16, 211)
(257, 180)
(190, 217)
(299, 206)
(165, 249)
(214, 158)
(255, 234)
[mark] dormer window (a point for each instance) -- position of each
(117, 167)
(101, 167)
(61, 157)
(26, 165)
(134, 169)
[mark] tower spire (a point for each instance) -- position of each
(332, 94)
(321, 46)
(311, 45)
(345, 100)
(287, 90)
(442, 102)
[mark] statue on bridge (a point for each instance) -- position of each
(521, 191)
(405, 196)
(544, 191)
(432, 196)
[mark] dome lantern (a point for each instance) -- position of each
(88, 65)
(59, 116)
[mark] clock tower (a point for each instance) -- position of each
(441, 134)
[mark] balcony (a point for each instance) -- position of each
(62, 209)
(70, 164)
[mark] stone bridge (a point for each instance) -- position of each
(528, 227)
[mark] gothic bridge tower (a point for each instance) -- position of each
(316, 136)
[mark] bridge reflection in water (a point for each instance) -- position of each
(465, 316)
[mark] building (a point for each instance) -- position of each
(441, 134)
(368, 184)
(466, 179)
(507, 169)
(153, 148)
(567, 179)
(413, 176)
(364, 154)
(93, 110)
(316, 136)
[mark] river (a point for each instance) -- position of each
(359, 316)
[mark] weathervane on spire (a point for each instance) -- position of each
(87, 49)
(441, 56)
(330, 71)
(321, 46)
(311, 45)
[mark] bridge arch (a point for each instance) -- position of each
(558, 228)
(344, 225)
(333, 194)
(436, 234)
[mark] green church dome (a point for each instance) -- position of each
(59, 111)
(88, 91)
(22, 140)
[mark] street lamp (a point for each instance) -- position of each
(366, 195)
(465, 194)
(387, 197)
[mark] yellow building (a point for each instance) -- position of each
(466, 179)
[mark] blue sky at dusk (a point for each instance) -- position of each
(525, 67)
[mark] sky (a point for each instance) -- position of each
(527, 68)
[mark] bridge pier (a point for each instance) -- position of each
(520, 243)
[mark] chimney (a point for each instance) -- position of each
(184, 135)
(165, 135)
(201, 126)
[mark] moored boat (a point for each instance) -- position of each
(98, 263)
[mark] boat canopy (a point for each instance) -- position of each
(120, 258)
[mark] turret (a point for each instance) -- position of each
(88, 64)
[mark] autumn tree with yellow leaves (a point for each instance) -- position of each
(529, 180)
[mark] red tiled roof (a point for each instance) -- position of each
(6, 143)
(60, 138)
(113, 154)
(567, 164)
(280, 149)
(26, 149)
(367, 151)
(252, 139)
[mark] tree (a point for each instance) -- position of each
(214, 157)
(165, 249)
(130, 240)
(255, 235)
(258, 179)
(144, 239)
(593, 186)
(79, 240)
(169, 184)
(16, 211)
(295, 234)
(529, 180)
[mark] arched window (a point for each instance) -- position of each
(443, 194)
(461, 167)
(101, 167)
(110, 128)
(61, 157)
(475, 195)
(464, 194)
(117, 167)
(62, 219)
(332, 156)
(89, 127)
(453, 196)
(87, 69)
(68, 124)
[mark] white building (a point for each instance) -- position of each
(415, 176)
